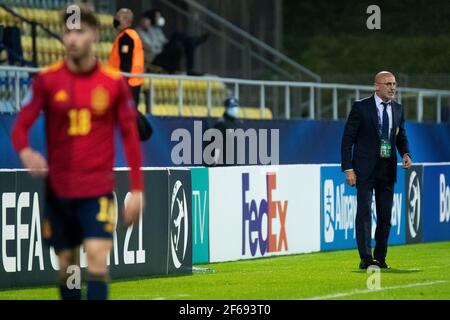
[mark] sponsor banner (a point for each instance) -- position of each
(139, 250)
(263, 211)
(414, 204)
(338, 204)
(24, 260)
(436, 202)
(180, 230)
(200, 215)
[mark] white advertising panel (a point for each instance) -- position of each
(264, 210)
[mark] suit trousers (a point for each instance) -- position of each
(135, 93)
(381, 181)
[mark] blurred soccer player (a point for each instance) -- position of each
(82, 101)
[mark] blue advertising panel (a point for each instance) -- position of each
(338, 211)
(431, 143)
(436, 203)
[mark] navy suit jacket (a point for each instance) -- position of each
(360, 148)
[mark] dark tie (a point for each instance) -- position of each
(385, 126)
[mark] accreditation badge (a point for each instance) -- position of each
(385, 148)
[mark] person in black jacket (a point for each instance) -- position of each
(374, 130)
(168, 53)
(229, 120)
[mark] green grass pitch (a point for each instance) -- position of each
(420, 271)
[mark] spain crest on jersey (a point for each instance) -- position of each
(99, 99)
(61, 96)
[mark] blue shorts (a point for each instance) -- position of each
(67, 222)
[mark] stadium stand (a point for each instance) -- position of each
(51, 49)
(194, 99)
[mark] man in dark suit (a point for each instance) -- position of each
(374, 131)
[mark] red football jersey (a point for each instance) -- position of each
(81, 110)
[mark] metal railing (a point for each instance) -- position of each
(297, 67)
(273, 67)
(341, 95)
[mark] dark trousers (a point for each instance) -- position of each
(382, 182)
(144, 127)
(179, 44)
(135, 92)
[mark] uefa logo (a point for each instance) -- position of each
(413, 205)
(179, 224)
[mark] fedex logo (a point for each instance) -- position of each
(269, 213)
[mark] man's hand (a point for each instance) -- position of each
(133, 208)
(350, 177)
(406, 162)
(34, 162)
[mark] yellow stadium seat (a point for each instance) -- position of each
(142, 107)
(26, 43)
(146, 85)
(171, 110)
(53, 17)
(172, 84)
(268, 114)
(217, 111)
(3, 55)
(3, 15)
(204, 85)
(200, 111)
(157, 84)
(6, 18)
(216, 85)
(187, 111)
(41, 16)
(250, 113)
(157, 110)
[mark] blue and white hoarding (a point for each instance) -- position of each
(338, 205)
(436, 203)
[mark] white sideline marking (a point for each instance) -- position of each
(353, 292)
(438, 267)
(177, 295)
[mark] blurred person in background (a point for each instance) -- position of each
(169, 53)
(127, 55)
(143, 29)
(229, 120)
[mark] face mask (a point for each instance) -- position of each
(233, 112)
(161, 22)
(116, 23)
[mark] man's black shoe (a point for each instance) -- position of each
(365, 263)
(383, 265)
